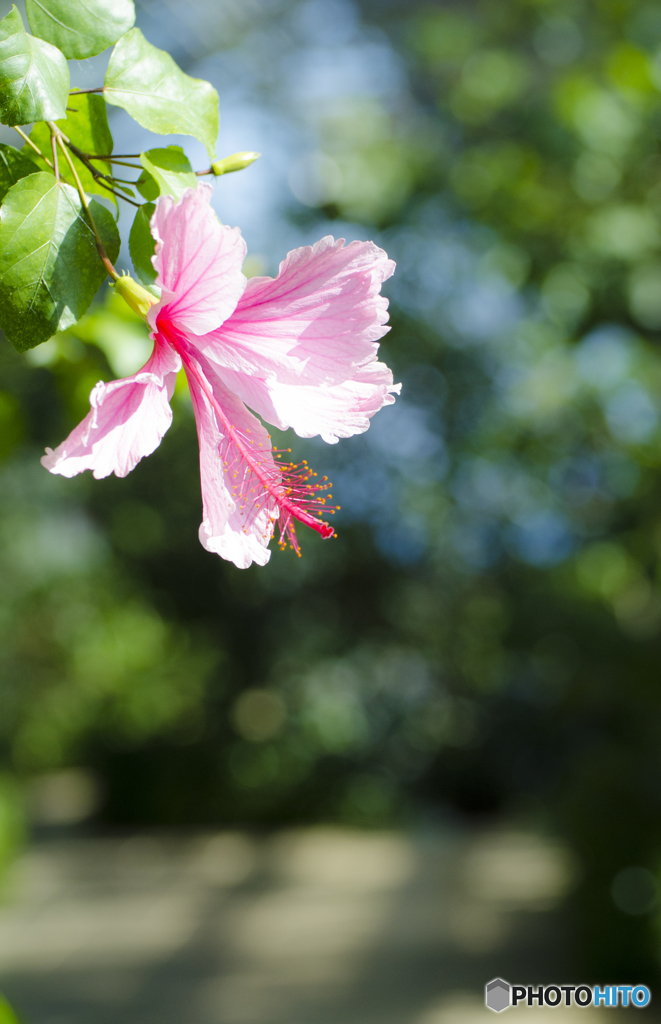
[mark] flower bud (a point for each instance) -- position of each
(235, 162)
(137, 297)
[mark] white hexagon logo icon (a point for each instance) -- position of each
(497, 995)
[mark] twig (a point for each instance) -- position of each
(79, 92)
(200, 173)
(98, 176)
(111, 160)
(119, 195)
(35, 148)
(112, 156)
(83, 198)
(56, 166)
(84, 160)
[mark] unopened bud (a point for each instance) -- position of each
(137, 297)
(235, 162)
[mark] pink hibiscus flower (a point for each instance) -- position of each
(299, 349)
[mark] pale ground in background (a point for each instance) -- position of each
(309, 926)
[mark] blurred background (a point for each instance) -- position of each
(356, 786)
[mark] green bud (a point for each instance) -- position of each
(235, 162)
(137, 297)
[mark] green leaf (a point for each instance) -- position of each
(49, 265)
(80, 28)
(13, 166)
(147, 186)
(34, 76)
(12, 23)
(169, 169)
(125, 189)
(86, 124)
(148, 84)
(142, 244)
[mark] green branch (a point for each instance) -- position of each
(100, 178)
(83, 198)
(29, 141)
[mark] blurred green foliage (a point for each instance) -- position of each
(485, 634)
(7, 1015)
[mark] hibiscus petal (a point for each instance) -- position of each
(333, 411)
(236, 523)
(198, 261)
(317, 322)
(126, 421)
